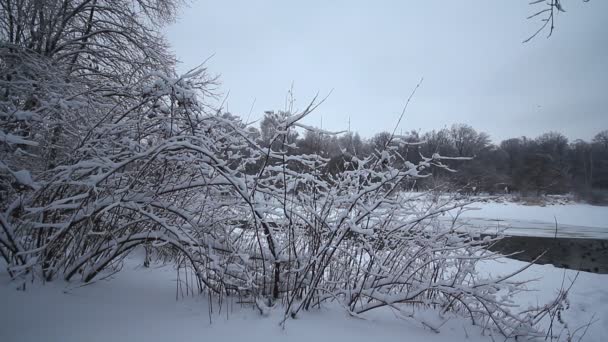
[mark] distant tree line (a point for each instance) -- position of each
(547, 164)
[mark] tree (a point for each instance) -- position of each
(380, 141)
(109, 40)
(547, 13)
(600, 160)
(468, 142)
(581, 161)
(554, 147)
(75, 64)
(437, 142)
(601, 139)
(270, 128)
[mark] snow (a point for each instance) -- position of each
(572, 214)
(25, 178)
(588, 297)
(15, 140)
(139, 304)
(574, 219)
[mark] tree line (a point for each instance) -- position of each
(547, 164)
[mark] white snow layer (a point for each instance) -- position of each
(573, 220)
(139, 304)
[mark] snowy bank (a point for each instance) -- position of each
(139, 304)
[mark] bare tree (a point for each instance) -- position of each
(547, 14)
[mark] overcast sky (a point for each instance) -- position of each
(372, 54)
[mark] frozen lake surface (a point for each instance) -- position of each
(574, 220)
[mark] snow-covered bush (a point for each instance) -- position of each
(251, 221)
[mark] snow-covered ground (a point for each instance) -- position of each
(140, 304)
(574, 220)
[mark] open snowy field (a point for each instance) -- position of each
(139, 304)
(574, 220)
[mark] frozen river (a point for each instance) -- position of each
(573, 220)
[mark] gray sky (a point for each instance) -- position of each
(372, 54)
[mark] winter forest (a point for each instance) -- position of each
(135, 206)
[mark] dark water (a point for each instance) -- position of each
(589, 255)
